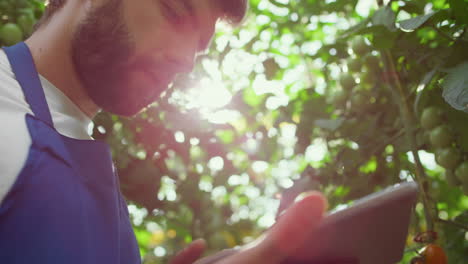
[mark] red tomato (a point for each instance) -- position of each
(434, 254)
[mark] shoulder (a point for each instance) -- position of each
(14, 148)
(14, 135)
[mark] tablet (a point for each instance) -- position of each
(372, 230)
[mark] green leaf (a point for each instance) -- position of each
(415, 22)
(370, 166)
(384, 39)
(459, 9)
(341, 191)
(329, 124)
(226, 136)
(386, 17)
(426, 80)
(354, 30)
(456, 87)
(143, 237)
(251, 98)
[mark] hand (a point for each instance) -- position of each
(290, 232)
(190, 254)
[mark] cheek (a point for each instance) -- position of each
(136, 88)
(138, 80)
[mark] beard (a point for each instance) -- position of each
(103, 55)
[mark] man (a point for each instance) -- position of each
(60, 199)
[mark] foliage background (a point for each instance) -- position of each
(291, 102)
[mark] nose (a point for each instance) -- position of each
(181, 54)
(183, 61)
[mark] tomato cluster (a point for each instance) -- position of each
(448, 155)
(358, 78)
(17, 19)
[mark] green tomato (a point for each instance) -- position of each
(347, 81)
(26, 23)
(465, 188)
(4, 6)
(448, 158)
(354, 65)
(431, 117)
(426, 137)
(339, 98)
(11, 34)
(358, 100)
(22, 3)
(441, 136)
(369, 78)
(372, 62)
(462, 172)
(359, 46)
(451, 178)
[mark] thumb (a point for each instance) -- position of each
(190, 254)
(294, 227)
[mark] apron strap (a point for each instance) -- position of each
(23, 66)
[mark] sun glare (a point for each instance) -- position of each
(209, 97)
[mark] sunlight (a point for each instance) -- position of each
(216, 164)
(222, 116)
(364, 7)
(316, 151)
(208, 95)
(427, 159)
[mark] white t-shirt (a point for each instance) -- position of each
(14, 135)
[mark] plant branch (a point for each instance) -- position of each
(457, 224)
(443, 34)
(409, 125)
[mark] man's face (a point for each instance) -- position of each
(126, 52)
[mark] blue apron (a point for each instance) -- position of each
(65, 206)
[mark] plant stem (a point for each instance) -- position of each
(459, 225)
(409, 124)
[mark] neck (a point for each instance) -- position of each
(51, 50)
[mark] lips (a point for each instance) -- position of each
(160, 77)
(161, 71)
(158, 72)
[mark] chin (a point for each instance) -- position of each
(127, 104)
(125, 107)
(124, 111)
(125, 94)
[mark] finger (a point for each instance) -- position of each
(332, 261)
(290, 232)
(191, 253)
(294, 227)
(225, 253)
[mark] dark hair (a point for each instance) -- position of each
(232, 11)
